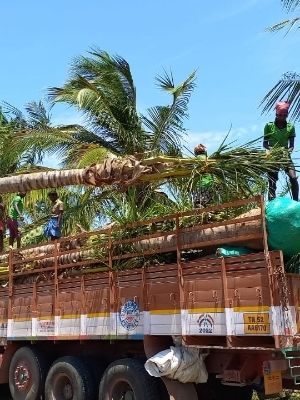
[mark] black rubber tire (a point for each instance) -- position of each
(69, 378)
(27, 360)
(128, 376)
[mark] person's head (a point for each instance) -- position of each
(282, 110)
(200, 149)
(22, 194)
(53, 196)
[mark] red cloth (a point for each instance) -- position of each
(282, 107)
(13, 227)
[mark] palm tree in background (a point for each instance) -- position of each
(101, 89)
(13, 159)
(288, 87)
(82, 206)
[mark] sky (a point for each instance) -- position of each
(226, 41)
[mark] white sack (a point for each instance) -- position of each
(185, 364)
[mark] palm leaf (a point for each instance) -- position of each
(239, 166)
(288, 24)
(290, 5)
(166, 122)
(287, 88)
(101, 87)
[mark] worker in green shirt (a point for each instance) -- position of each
(204, 189)
(281, 133)
(14, 215)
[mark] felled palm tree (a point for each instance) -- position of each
(238, 168)
(288, 87)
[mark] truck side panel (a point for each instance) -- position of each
(217, 302)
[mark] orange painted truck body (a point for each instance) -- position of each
(79, 296)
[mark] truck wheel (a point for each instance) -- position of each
(127, 379)
(69, 379)
(27, 374)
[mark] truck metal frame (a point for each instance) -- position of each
(107, 295)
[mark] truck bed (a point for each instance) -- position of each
(110, 285)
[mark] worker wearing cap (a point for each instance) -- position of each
(204, 193)
(281, 133)
(14, 216)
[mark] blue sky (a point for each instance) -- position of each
(237, 62)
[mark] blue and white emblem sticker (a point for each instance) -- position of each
(130, 315)
(206, 323)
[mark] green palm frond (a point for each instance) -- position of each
(39, 118)
(13, 111)
(135, 205)
(288, 24)
(122, 69)
(101, 87)
(287, 88)
(166, 122)
(49, 140)
(86, 154)
(3, 118)
(82, 207)
(290, 5)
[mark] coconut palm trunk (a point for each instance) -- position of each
(239, 165)
(124, 172)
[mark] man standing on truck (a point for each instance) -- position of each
(281, 133)
(204, 193)
(53, 227)
(14, 215)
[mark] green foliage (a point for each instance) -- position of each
(290, 5)
(101, 88)
(288, 87)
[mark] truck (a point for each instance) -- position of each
(79, 316)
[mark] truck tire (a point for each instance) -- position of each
(27, 373)
(69, 379)
(127, 379)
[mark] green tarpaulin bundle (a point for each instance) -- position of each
(283, 225)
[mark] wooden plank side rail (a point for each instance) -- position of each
(91, 249)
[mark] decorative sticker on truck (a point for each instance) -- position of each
(206, 323)
(256, 323)
(130, 315)
(46, 327)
